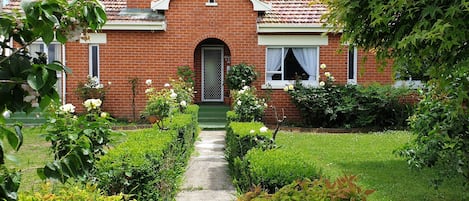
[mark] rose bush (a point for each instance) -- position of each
(247, 105)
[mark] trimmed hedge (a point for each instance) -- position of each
(149, 164)
(253, 159)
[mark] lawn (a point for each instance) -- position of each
(34, 154)
(370, 157)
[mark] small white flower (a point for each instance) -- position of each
(91, 104)
(173, 95)
(251, 131)
(183, 103)
(35, 104)
(323, 66)
(149, 90)
(265, 105)
(99, 86)
(322, 83)
(171, 90)
(239, 102)
(167, 85)
(327, 74)
(148, 82)
(263, 129)
(285, 88)
(6, 114)
(241, 91)
(104, 115)
(332, 78)
(245, 87)
(109, 83)
(67, 108)
(29, 98)
(291, 87)
(243, 81)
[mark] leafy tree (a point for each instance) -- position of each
(27, 83)
(427, 36)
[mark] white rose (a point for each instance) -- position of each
(241, 91)
(323, 66)
(291, 87)
(322, 83)
(332, 78)
(109, 83)
(67, 108)
(251, 131)
(29, 98)
(327, 74)
(263, 129)
(239, 102)
(173, 95)
(148, 82)
(245, 87)
(149, 90)
(104, 114)
(285, 88)
(167, 85)
(183, 103)
(35, 104)
(6, 114)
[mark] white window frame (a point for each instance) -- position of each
(60, 85)
(280, 84)
(352, 80)
(91, 58)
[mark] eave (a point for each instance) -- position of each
(136, 26)
(292, 28)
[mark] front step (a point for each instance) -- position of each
(212, 116)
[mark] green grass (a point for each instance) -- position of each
(35, 153)
(370, 157)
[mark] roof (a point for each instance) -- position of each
(294, 12)
(276, 13)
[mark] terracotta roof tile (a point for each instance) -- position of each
(294, 11)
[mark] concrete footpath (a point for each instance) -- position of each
(206, 177)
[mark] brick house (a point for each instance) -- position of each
(149, 39)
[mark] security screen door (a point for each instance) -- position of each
(212, 74)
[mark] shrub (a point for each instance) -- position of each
(77, 142)
(72, 191)
(441, 124)
(343, 188)
(247, 105)
(150, 162)
(240, 75)
(273, 168)
(92, 89)
(350, 106)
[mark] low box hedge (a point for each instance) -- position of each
(253, 159)
(150, 163)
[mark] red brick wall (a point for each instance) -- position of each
(156, 55)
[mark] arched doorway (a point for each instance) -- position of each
(211, 61)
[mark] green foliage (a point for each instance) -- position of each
(163, 103)
(442, 129)
(247, 105)
(91, 89)
(420, 36)
(149, 164)
(240, 75)
(72, 191)
(273, 168)
(11, 181)
(343, 188)
(351, 106)
(76, 141)
(186, 74)
(27, 83)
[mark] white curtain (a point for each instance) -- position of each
(274, 61)
(307, 57)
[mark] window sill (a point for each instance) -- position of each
(282, 84)
(211, 4)
(409, 83)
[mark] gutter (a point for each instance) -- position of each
(136, 26)
(293, 28)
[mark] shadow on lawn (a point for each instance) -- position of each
(394, 180)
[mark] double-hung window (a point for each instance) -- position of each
(287, 64)
(53, 52)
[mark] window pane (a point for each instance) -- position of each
(94, 61)
(274, 63)
(351, 64)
